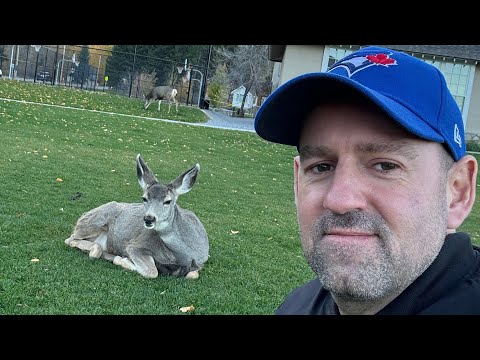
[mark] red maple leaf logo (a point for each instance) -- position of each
(380, 59)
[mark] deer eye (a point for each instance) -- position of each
(144, 199)
(167, 202)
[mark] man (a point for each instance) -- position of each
(382, 181)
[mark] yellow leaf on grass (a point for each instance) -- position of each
(234, 231)
(34, 260)
(59, 180)
(187, 308)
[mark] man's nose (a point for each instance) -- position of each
(347, 189)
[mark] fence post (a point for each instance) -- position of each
(26, 63)
(55, 67)
(36, 67)
(133, 72)
(45, 63)
(204, 87)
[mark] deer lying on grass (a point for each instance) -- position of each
(162, 93)
(151, 238)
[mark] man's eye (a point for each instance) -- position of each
(322, 168)
(385, 166)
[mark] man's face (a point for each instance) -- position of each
(371, 202)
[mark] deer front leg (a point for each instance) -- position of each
(142, 262)
(159, 103)
(124, 262)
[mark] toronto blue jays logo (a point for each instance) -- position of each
(354, 63)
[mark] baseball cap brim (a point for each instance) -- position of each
(281, 116)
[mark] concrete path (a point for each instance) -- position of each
(220, 120)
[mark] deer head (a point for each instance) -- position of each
(160, 199)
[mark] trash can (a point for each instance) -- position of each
(206, 104)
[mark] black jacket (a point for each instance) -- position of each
(450, 285)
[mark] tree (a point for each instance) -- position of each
(219, 87)
(81, 73)
(119, 64)
(98, 56)
(248, 66)
(159, 59)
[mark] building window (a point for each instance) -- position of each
(338, 52)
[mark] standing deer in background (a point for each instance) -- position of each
(151, 238)
(162, 93)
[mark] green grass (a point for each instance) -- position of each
(243, 196)
(95, 100)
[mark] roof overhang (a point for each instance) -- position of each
(276, 52)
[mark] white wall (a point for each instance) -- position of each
(473, 118)
(301, 59)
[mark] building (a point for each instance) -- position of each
(458, 63)
(237, 97)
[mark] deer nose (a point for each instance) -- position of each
(148, 220)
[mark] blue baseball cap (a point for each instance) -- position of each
(409, 90)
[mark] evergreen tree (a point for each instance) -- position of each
(81, 73)
(119, 64)
(162, 60)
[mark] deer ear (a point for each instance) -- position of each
(183, 183)
(144, 174)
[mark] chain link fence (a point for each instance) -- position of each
(59, 65)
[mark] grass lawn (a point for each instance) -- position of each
(60, 162)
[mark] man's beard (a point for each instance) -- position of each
(376, 269)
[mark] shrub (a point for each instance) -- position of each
(473, 146)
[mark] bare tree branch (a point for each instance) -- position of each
(248, 65)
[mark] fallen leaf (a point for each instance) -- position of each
(34, 260)
(187, 308)
(59, 180)
(234, 231)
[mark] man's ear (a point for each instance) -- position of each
(461, 190)
(296, 165)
